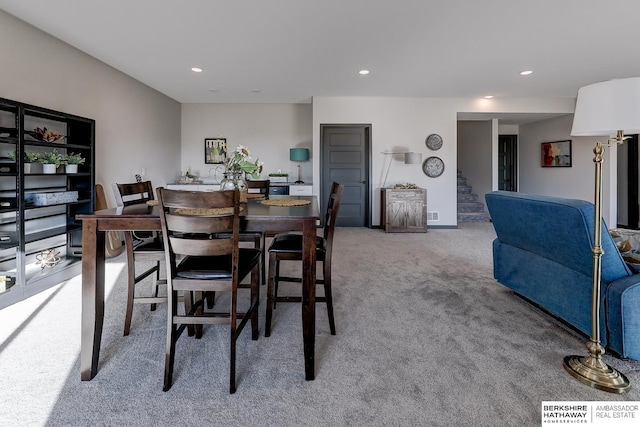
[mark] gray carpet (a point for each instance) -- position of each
(425, 337)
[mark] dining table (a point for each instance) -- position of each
(257, 217)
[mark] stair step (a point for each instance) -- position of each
(474, 217)
(468, 207)
(462, 181)
(467, 197)
(464, 189)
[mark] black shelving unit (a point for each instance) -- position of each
(29, 231)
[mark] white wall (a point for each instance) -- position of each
(475, 155)
(577, 181)
(267, 130)
(136, 127)
(405, 123)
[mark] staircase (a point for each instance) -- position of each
(469, 208)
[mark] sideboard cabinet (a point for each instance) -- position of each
(404, 210)
(40, 239)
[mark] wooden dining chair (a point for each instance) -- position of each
(262, 186)
(288, 247)
(141, 247)
(201, 240)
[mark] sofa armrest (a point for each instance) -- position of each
(622, 309)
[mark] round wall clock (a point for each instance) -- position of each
(434, 142)
(433, 167)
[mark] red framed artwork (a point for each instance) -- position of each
(556, 154)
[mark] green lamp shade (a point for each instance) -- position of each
(299, 154)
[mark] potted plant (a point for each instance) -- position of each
(29, 158)
(71, 162)
(50, 160)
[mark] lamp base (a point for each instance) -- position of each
(592, 371)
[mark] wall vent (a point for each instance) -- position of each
(433, 216)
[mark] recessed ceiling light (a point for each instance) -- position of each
(363, 72)
(256, 90)
(526, 73)
(213, 90)
(488, 96)
(196, 69)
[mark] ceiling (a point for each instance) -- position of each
(287, 51)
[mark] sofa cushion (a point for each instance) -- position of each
(628, 243)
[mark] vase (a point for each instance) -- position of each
(232, 181)
(49, 168)
(71, 168)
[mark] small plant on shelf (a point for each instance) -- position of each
(50, 158)
(31, 157)
(72, 159)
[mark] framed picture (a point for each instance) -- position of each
(556, 154)
(215, 150)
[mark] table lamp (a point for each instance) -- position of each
(602, 109)
(299, 155)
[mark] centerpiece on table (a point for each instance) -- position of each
(237, 165)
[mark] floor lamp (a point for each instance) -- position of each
(410, 158)
(602, 109)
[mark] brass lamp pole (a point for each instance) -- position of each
(606, 108)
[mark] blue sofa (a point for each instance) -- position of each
(543, 251)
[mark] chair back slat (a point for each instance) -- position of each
(132, 193)
(201, 247)
(262, 185)
(199, 224)
(176, 199)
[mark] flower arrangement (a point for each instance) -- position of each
(240, 161)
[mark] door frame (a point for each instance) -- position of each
(368, 164)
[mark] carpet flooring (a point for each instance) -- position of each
(425, 336)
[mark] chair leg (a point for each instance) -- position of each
(131, 288)
(255, 300)
(270, 286)
(199, 299)
(232, 345)
(155, 284)
(170, 347)
(188, 304)
(276, 282)
(327, 293)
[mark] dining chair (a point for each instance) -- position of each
(201, 243)
(262, 186)
(288, 247)
(141, 247)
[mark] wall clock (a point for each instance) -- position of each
(433, 167)
(434, 142)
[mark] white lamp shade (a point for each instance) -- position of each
(607, 107)
(412, 158)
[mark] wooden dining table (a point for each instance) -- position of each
(257, 217)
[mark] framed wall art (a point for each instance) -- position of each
(556, 154)
(215, 150)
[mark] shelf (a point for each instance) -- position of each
(48, 226)
(78, 202)
(52, 232)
